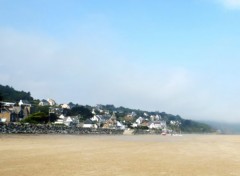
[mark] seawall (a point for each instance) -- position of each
(12, 128)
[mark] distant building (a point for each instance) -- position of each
(43, 103)
(68, 106)
(67, 120)
(57, 111)
(139, 120)
(157, 125)
(11, 113)
(51, 102)
(65, 106)
(24, 103)
(89, 124)
(5, 115)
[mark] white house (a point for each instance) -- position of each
(65, 106)
(68, 106)
(158, 117)
(51, 102)
(120, 125)
(60, 119)
(139, 120)
(43, 103)
(66, 120)
(96, 118)
(157, 125)
(89, 124)
(24, 103)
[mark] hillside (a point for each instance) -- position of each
(225, 128)
(187, 126)
(8, 93)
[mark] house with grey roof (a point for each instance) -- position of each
(43, 102)
(24, 103)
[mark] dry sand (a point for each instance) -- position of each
(67, 155)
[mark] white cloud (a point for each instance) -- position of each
(230, 4)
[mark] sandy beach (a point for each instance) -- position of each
(72, 155)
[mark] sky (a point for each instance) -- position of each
(178, 57)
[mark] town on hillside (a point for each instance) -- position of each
(20, 107)
(99, 116)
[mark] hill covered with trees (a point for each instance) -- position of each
(8, 93)
(122, 114)
(187, 126)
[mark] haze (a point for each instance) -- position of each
(181, 57)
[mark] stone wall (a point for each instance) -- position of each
(17, 128)
(144, 131)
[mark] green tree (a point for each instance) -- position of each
(52, 117)
(44, 109)
(82, 111)
(1, 97)
(10, 94)
(36, 118)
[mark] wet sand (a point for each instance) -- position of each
(69, 155)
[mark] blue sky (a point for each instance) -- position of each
(181, 57)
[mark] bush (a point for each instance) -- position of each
(36, 118)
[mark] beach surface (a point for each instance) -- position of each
(124, 155)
